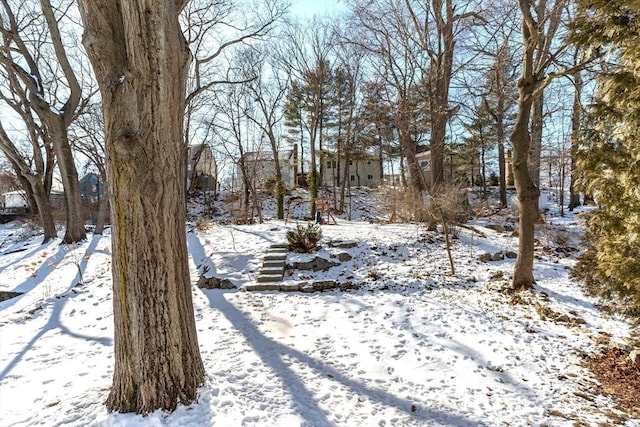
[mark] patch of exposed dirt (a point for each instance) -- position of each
(619, 376)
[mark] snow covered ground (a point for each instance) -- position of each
(412, 346)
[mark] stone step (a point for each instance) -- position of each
(272, 272)
(284, 246)
(269, 278)
(263, 287)
(275, 257)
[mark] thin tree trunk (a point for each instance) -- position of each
(502, 165)
(103, 206)
(526, 189)
(574, 197)
(141, 59)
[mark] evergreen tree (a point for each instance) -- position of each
(609, 156)
(481, 137)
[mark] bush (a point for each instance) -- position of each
(304, 239)
(493, 180)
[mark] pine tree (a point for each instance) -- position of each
(609, 155)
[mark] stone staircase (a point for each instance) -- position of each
(272, 269)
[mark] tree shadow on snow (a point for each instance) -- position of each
(55, 321)
(273, 353)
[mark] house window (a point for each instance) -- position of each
(369, 176)
(350, 162)
(328, 164)
(353, 177)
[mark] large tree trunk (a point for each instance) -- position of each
(141, 59)
(74, 231)
(417, 180)
(441, 67)
(535, 150)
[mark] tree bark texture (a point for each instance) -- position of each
(440, 80)
(141, 59)
(526, 189)
(535, 151)
(74, 231)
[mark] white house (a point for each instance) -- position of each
(363, 170)
(14, 202)
(261, 166)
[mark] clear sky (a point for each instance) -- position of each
(308, 8)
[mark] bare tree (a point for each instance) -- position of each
(44, 86)
(216, 32)
(239, 138)
(266, 96)
(34, 171)
(438, 39)
(541, 50)
(385, 31)
(141, 61)
(305, 53)
(87, 136)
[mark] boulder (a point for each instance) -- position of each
(344, 256)
(511, 255)
(486, 257)
(316, 264)
(322, 285)
(498, 256)
(214, 283)
(343, 244)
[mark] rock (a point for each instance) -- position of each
(343, 256)
(498, 256)
(306, 287)
(322, 285)
(343, 244)
(511, 255)
(214, 283)
(497, 275)
(635, 356)
(486, 257)
(316, 264)
(5, 295)
(496, 227)
(349, 286)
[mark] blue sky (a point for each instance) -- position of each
(308, 8)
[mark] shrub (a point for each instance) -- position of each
(304, 239)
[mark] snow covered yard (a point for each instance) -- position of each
(412, 346)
